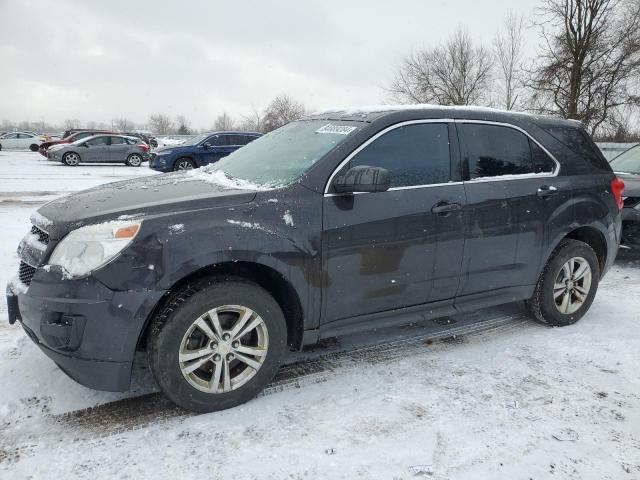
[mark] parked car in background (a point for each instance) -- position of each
(627, 167)
(21, 141)
(339, 222)
(72, 137)
(148, 139)
(200, 150)
(101, 149)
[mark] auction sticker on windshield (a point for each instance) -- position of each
(336, 129)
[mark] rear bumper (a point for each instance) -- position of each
(89, 331)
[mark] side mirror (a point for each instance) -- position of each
(363, 179)
(206, 145)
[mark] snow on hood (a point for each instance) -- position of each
(219, 178)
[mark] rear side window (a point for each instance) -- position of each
(236, 140)
(577, 140)
(414, 154)
(542, 162)
(118, 141)
(493, 151)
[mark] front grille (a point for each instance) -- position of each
(43, 236)
(631, 201)
(25, 273)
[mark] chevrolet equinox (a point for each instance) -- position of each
(346, 220)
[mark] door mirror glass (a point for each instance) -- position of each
(206, 145)
(363, 179)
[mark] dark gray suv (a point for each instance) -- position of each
(342, 221)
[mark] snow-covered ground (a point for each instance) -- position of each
(491, 395)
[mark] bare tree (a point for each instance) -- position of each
(224, 122)
(508, 49)
(182, 125)
(123, 124)
(591, 59)
(455, 73)
(282, 110)
(160, 123)
(253, 122)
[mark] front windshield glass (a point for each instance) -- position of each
(281, 156)
(197, 139)
(627, 162)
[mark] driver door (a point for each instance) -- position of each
(211, 150)
(387, 250)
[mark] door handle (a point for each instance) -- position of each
(445, 208)
(547, 191)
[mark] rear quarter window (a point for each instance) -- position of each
(579, 141)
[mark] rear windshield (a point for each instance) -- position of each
(578, 141)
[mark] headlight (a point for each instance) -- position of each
(88, 248)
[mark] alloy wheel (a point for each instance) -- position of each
(72, 159)
(184, 165)
(572, 285)
(135, 160)
(223, 349)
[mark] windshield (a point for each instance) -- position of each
(281, 156)
(196, 140)
(627, 162)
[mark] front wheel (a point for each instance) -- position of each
(184, 164)
(134, 160)
(34, 147)
(217, 344)
(71, 159)
(567, 285)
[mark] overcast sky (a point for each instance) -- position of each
(103, 60)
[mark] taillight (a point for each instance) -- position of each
(617, 187)
(144, 147)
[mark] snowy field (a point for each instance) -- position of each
(492, 395)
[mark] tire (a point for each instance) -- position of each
(134, 160)
(33, 147)
(0, 147)
(561, 300)
(71, 159)
(176, 333)
(184, 164)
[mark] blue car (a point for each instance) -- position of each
(201, 150)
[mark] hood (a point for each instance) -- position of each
(631, 184)
(175, 148)
(158, 194)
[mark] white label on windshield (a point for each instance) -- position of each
(336, 129)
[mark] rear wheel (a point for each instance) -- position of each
(184, 164)
(71, 159)
(33, 147)
(217, 344)
(134, 160)
(567, 285)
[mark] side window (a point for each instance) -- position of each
(235, 140)
(249, 139)
(98, 141)
(11, 135)
(216, 140)
(415, 154)
(118, 141)
(493, 151)
(542, 163)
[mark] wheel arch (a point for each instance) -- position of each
(593, 237)
(189, 156)
(266, 277)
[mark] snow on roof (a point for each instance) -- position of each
(366, 109)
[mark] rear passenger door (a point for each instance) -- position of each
(398, 248)
(509, 185)
(118, 149)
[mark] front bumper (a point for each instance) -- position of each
(161, 163)
(88, 330)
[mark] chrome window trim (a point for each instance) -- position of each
(445, 120)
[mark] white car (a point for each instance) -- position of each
(21, 140)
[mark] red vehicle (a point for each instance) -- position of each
(77, 135)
